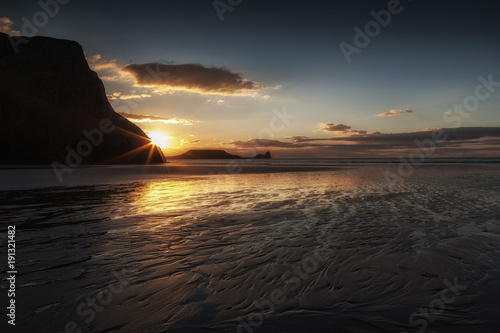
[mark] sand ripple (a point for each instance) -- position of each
(298, 252)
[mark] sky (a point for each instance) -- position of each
(302, 79)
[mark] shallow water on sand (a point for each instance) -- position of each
(325, 251)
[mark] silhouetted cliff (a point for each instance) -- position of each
(214, 154)
(53, 108)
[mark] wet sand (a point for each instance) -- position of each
(338, 250)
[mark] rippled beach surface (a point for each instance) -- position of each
(339, 250)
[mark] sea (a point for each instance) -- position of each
(324, 245)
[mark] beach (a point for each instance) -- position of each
(249, 166)
(332, 249)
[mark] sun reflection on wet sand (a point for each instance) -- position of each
(200, 251)
(228, 192)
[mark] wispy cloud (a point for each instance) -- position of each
(187, 142)
(394, 113)
(6, 27)
(119, 95)
(94, 58)
(218, 101)
(109, 70)
(139, 118)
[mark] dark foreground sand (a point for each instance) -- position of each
(337, 250)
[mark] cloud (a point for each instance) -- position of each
(6, 27)
(155, 79)
(217, 101)
(94, 58)
(298, 138)
(109, 70)
(411, 139)
(139, 118)
(452, 141)
(192, 78)
(119, 95)
(446, 141)
(360, 132)
(262, 143)
(186, 141)
(331, 127)
(394, 113)
(103, 64)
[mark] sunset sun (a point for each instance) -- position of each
(159, 139)
(250, 166)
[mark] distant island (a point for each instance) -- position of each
(54, 110)
(200, 154)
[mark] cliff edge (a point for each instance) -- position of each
(54, 109)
